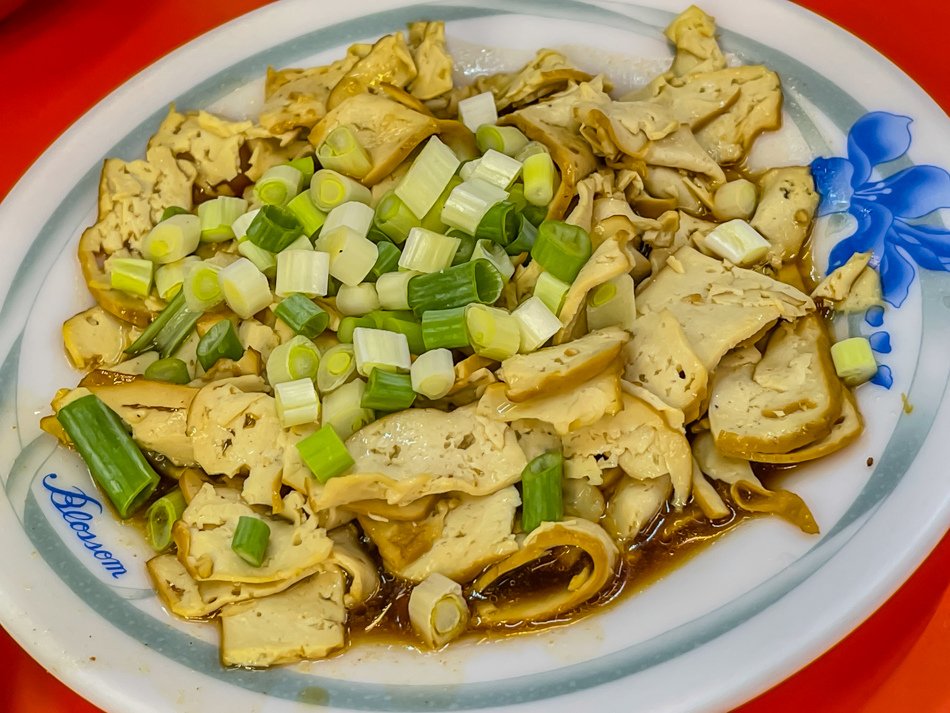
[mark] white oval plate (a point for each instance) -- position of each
(750, 610)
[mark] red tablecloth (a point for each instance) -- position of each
(59, 57)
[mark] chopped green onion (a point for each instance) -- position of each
(408, 326)
(173, 210)
(330, 189)
(306, 166)
(352, 256)
(296, 402)
(498, 169)
(357, 300)
(393, 289)
(310, 217)
(541, 496)
(535, 214)
(172, 239)
(245, 288)
(561, 249)
(387, 261)
(530, 149)
(738, 242)
(493, 332)
(303, 271)
(274, 228)
(161, 516)
(342, 151)
(342, 409)
(217, 215)
(474, 281)
(527, 235)
(354, 215)
(466, 247)
(426, 251)
(735, 199)
(242, 222)
(496, 255)
(169, 369)
(507, 139)
(386, 391)
(467, 169)
(444, 328)
(131, 275)
(337, 365)
(516, 196)
(114, 461)
(302, 315)
(250, 540)
(500, 224)
(427, 177)
(437, 610)
(168, 330)
(478, 110)
(201, 287)
(433, 219)
(612, 303)
(301, 243)
(278, 185)
(433, 373)
(168, 278)
(297, 358)
(394, 218)
(263, 260)
(536, 322)
(469, 202)
(380, 349)
(324, 454)
(551, 291)
(539, 177)
(219, 342)
(345, 331)
(854, 360)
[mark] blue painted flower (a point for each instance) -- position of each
(884, 208)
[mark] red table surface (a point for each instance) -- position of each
(59, 57)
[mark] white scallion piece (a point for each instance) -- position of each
(337, 366)
(131, 275)
(492, 331)
(498, 169)
(854, 360)
(342, 409)
(380, 349)
(278, 185)
(217, 216)
(304, 271)
(468, 203)
(539, 176)
(478, 110)
(467, 170)
(264, 260)
(297, 402)
(357, 300)
(428, 251)
(612, 304)
(297, 358)
(738, 242)
(329, 188)
(735, 199)
(352, 256)
(433, 373)
(507, 139)
(437, 610)
(168, 278)
(495, 254)
(393, 289)
(530, 149)
(240, 224)
(201, 287)
(551, 291)
(245, 288)
(356, 216)
(172, 239)
(301, 243)
(536, 322)
(427, 177)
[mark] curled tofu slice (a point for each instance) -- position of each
(457, 542)
(566, 411)
(706, 496)
(306, 621)
(634, 504)
(432, 59)
(389, 61)
(204, 532)
(554, 369)
(694, 100)
(837, 285)
(787, 204)
(608, 261)
(641, 441)
(720, 466)
(660, 359)
(350, 556)
(236, 430)
(693, 32)
(547, 73)
(387, 129)
(718, 305)
(588, 558)
(410, 454)
(786, 400)
(95, 338)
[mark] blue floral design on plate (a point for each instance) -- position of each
(887, 211)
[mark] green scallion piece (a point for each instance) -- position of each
(388, 260)
(433, 219)
(444, 328)
(302, 315)
(561, 249)
(219, 342)
(386, 391)
(409, 326)
(500, 224)
(475, 281)
(169, 369)
(131, 275)
(173, 210)
(274, 228)
(527, 235)
(310, 217)
(168, 330)
(306, 166)
(541, 498)
(496, 255)
(217, 216)
(325, 454)
(114, 461)
(509, 140)
(466, 246)
(250, 540)
(345, 331)
(535, 214)
(161, 516)
(393, 218)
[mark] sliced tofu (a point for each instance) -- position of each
(95, 338)
(719, 466)
(837, 284)
(787, 204)
(352, 558)
(634, 504)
